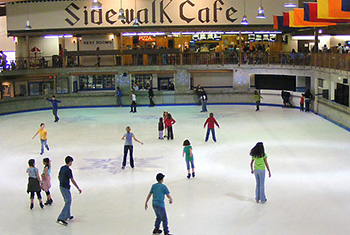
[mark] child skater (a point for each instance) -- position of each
(169, 124)
(43, 138)
(257, 98)
(189, 158)
(34, 183)
(211, 121)
(128, 136)
(259, 158)
(159, 190)
(302, 101)
(160, 128)
(46, 180)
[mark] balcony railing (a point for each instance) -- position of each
(148, 57)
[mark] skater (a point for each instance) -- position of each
(150, 96)
(119, 97)
(302, 101)
(43, 138)
(128, 136)
(46, 180)
(203, 100)
(54, 103)
(259, 158)
(165, 116)
(34, 183)
(159, 190)
(257, 97)
(133, 102)
(286, 99)
(169, 124)
(189, 158)
(308, 97)
(65, 176)
(211, 121)
(161, 128)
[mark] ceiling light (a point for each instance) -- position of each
(96, 5)
(290, 4)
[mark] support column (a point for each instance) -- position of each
(121, 49)
(27, 52)
(240, 48)
(63, 52)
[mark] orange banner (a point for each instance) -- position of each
(331, 9)
(297, 20)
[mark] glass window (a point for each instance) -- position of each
(62, 86)
(35, 88)
(97, 82)
(142, 81)
(166, 84)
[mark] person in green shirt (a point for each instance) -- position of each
(189, 158)
(259, 159)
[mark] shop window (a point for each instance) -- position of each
(41, 88)
(62, 86)
(166, 84)
(97, 82)
(141, 81)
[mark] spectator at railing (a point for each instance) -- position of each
(340, 48)
(3, 60)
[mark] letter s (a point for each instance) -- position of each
(68, 10)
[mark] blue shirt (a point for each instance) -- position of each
(128, 138)
(159, 191)
(119, 93)
(54, 103)
(65, 175)
(32, 172)
(48, 170)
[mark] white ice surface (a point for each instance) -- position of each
(308, 192)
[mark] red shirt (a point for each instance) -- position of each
(211, 121)
(302, 100)
(169, 122)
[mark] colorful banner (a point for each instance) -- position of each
(296, 19)
(331, 9)
(345, 6)
(286, 19)
(310, 14)
(278, 23)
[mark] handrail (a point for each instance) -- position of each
(146, 57)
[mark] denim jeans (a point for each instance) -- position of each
(260, 185)
(161, 217)
(212, 130)
(257, 105)
(204, 106)
(43, 143)
(307, 105)
(130, 149)
(65, 214)
(188, 165)
(54, 112)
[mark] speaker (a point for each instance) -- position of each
(171, 43)
(345, 81)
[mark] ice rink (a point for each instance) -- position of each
(308, 192)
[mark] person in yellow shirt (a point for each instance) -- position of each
(43, 138)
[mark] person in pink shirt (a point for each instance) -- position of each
(211, 124)
(169, 121)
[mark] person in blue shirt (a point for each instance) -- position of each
(159, 190)
(119, 97)
(65, 176)
(54, 103)
(128, 146)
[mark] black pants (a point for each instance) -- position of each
(170, 132)
(130, 149)
(38, 194)
(151, 103)
(133, 107)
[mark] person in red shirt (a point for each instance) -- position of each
(211, 121)
(169, 121)
(302, 100)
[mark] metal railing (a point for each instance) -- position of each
(140, 58)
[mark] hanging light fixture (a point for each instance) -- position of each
(244, 18)
(261, 14)
(121, 12)
(96, 5)
(290, 4)
(136, 21)
(28, 27)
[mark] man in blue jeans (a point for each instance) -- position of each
(64, 176)
(54, 103)
(159, 190)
